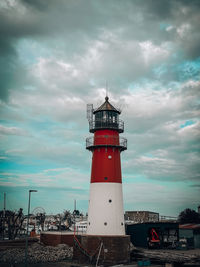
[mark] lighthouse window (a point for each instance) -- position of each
(105, 223)
(110, 157)
(104, 115)
(105, 178)
(110, 200)
(122, 224)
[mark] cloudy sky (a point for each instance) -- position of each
(56, 56)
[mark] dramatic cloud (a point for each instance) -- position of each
(56, 56)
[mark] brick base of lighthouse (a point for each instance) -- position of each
(56, 238)
(114, 249)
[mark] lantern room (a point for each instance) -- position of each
(106, 117)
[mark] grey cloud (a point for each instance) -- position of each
(75, 24)
(169, 156)
(87, 43)
(195, 185)
(162, 9)
(90, 17)
(7, 66)
(40, 5)
(18, 23)
(13, 131)
(172, 152)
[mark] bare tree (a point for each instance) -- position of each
(67, 216)
(40, 219)
(12, 222)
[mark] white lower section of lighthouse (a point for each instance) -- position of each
(106, 214)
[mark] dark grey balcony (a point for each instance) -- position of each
(106, 141)
(106, 124)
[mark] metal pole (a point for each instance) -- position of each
(26, 247)
(4, 214)
(74, 215)
(4, 201)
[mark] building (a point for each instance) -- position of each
(154, 234)
(190, 232)
(167, 218)
(141, 216)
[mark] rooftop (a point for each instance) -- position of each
(107, 106)
(189, 226)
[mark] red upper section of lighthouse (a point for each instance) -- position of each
(106, 144)
(106, 165)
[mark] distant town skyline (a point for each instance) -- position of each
(56, 57)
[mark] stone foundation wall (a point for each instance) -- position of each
(53, 239)
(114, 250)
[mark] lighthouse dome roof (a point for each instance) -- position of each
(106, 106)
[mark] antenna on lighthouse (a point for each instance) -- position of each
(89, 112)
(106, 88)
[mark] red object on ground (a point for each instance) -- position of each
(154, 236)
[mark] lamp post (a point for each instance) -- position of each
(26, 248)
(4, 214)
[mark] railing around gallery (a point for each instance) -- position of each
(106, 140)
(106, 124)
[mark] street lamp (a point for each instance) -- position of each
(26, 248)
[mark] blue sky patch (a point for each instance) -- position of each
(187, 123)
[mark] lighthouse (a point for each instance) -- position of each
(105, 241)
(105, 214)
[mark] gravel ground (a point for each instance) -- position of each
(37, 253)
(61, 256)
(47, 264)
